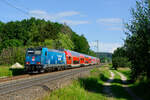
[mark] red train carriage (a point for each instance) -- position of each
(82, 62)
(74, 61)
(86, 60)
(93, 61)
(97, 61)
(68, 58)
(90, 60)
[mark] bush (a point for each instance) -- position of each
(120, 62)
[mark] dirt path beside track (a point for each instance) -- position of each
(108, 84)
(124, 80)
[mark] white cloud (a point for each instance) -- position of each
(109, 21)
(37, 12)
(71, 22)
(115, 28)
(41, 14)
(58, 16)
(113, 24)
(105, 47)
(48, 16)
(67, 13)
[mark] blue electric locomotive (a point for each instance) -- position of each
(44, 59)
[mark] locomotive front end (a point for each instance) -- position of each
(33, 60)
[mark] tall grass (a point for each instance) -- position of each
(4, 71)
(90, 88)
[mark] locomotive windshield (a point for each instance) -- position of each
(34, 52)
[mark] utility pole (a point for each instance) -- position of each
(97, 47)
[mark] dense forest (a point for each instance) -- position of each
(16, 36)
(136, 50)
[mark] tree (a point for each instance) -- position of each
(38, 32)
(137, 43)
(81, 43)
(64, 41)
(119, 58)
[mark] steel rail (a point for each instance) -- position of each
(22, 84)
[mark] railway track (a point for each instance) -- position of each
(15, 85)
(14, 78)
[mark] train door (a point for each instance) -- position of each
(46, 57)
(81, 60)
(69, 59)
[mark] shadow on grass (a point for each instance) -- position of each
(91, 85)
(127, 82)
(17, 71)
(142, 90)
(103, 77)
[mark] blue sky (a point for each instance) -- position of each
(100, 20)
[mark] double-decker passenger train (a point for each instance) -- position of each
(44, 59)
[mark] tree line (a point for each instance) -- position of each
(136, 50)
(105, 57)
(38, 32)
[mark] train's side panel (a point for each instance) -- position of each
(68, 57)
(75, 58)
(90, 60)
(82, 62)
(54, 58)
(43, 58)
(86, 61)
(72, 58)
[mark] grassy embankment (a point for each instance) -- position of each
(7, 71)
(91, 88)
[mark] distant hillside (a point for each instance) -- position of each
(105, 56)
(16, 36)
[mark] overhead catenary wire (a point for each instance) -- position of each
(17, 8)
(94, 45)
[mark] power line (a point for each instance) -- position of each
(11, 5)
(94, 45)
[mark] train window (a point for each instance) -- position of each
(37, 52)
(69, 58)
(81, 59)
(30, 52)
(34, 52)
(45, 53)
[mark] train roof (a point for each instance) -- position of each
(54, 50)
(73, 53)
(36, 48)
